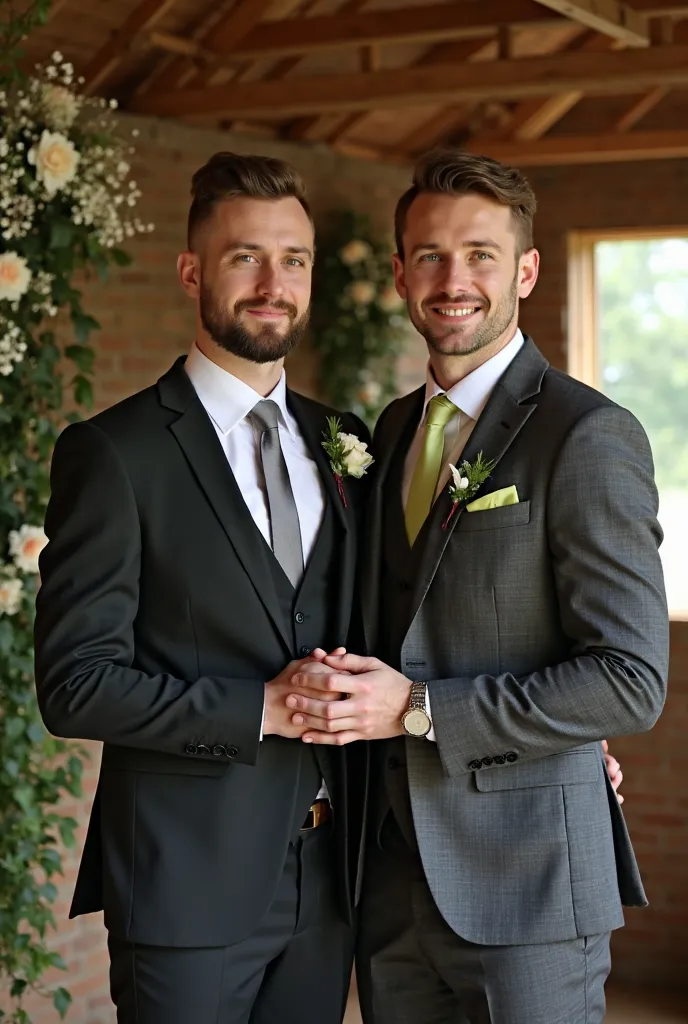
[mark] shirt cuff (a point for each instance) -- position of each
(431, 735)
(262, 722)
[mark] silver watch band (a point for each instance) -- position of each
(417, 699)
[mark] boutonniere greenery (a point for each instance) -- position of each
(348, 455)
(466, 481)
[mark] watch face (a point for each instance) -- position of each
(416, 722)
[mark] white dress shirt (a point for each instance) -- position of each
(228, 401)
(470, 397)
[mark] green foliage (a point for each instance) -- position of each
(50, 236)
(358, 321)
(643, 328)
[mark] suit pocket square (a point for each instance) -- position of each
(497, 499)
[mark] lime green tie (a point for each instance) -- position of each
(427, 471)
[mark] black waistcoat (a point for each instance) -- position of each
(312, 611)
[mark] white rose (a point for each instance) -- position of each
(10, 596)
(26, 545)
(60, 105)
(55, 159)
(356, 456)
(15, 276)
(362, 292)
(460, 482)
(354, 252)
(389, 299)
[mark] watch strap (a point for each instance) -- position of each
(417, 699)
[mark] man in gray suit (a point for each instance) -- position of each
(517, 608)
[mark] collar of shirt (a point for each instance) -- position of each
(228, 400)
(470, 395)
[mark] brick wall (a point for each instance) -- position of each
(147, 321)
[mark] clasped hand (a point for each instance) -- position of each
(371, 698)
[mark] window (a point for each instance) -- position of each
(628, 331)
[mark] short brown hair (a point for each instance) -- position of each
(228, 175)
(455, 172)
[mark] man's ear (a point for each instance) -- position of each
(189, 273)
(399, 275)
(528, 269)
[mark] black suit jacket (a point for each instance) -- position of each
(157, 626)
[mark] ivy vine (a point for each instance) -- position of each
(358, 322)
(63, 192)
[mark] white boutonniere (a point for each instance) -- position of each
(348, 455)
(466, 481)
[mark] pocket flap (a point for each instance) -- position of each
(495, 518)
(565, 769)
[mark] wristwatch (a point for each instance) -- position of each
(416, 721)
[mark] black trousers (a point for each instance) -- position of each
(294, 968)
(413, 969)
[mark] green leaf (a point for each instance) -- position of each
(48, 892)
(82, 356)
(83, 325)
(61, 1001)
(66, 829)
(83, 391)
(24, 796)
(120, 257)
(61, 233)
(18, 988)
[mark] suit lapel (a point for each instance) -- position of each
(198, 440)
(402, 416)
(500, 423)
(312, 428)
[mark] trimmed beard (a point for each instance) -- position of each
(492, 327)
(267, 344)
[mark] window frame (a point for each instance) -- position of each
(583, 349)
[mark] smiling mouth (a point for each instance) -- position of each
(455, 313)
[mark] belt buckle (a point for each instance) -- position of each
(317, 814)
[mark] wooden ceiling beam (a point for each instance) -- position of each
(564, 150)
(534, 118)
(430, 23)
(235, 24)
(625, 71)
(610, 17)
(140, 21)
(639, 109)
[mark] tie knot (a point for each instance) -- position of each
(265, 414)
(440, 411)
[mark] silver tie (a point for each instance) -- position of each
(284, 519)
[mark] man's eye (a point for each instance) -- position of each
(430, 257)
(482, 256)
(245, 257)
(294, 262)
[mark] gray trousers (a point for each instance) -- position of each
(413, 969)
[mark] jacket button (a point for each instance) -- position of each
(499, 759)
(511, 756)
(300, 617)
(219, 750)
(393, 763)
(191, 748)
(487, 761)
(475, 765)
(232, 751)
(305, 651)
(202, 749)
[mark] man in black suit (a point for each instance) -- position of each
(198, 550)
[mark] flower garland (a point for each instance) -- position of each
(66, 203)
(358, 322)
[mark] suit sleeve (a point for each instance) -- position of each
(85, 620)
(603, 540)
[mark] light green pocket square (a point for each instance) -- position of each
(505, 496)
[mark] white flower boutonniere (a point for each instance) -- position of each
(348, 455)
(466, 481)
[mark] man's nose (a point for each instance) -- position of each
(456, 277)
(270, 283)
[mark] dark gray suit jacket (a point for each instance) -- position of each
(541, 628)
